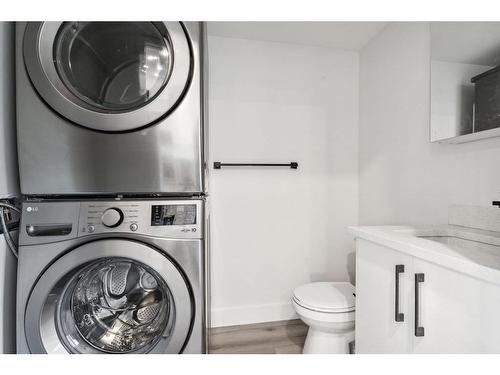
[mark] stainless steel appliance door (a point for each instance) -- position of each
(110, 296)
(109, 76)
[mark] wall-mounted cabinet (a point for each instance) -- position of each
(444, 311)
(465, 81)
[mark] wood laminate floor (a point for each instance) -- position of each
(284, 337)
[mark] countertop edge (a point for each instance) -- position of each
(385, 236)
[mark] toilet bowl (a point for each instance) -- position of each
(328, 308)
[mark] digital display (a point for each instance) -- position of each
(173, 214)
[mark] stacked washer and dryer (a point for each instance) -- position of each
(112, 245)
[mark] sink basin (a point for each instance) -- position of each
(479, 252)
(457, 242)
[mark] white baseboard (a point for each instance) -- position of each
(230, 316)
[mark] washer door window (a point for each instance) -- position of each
(122, 297)
(109, 76)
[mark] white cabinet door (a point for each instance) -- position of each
(458, 313)
(377, 330)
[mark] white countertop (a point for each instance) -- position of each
(480, 259)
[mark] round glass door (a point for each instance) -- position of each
(109, 76)
(109, 296)
(116, 306)
(113, 66)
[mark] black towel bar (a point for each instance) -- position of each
(292, 165)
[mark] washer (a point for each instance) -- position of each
(122, 276)
(110, 107)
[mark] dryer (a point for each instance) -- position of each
(110, 107)
(121, 276)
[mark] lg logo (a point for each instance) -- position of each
(31, 209)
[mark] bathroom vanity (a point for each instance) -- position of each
(428, 290)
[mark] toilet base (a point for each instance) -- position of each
(323, 342)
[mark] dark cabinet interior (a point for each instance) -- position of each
(487, 100)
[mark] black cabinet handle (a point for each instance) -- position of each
(419, 278)
(398, 316)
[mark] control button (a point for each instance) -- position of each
(91, 229)
(133, 227)
(112, 217)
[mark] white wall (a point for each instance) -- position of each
(274, 229)
(403, 177)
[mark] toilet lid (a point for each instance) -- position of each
(326, 296)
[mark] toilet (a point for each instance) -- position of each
(328, 308)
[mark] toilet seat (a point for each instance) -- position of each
(326, 297)
(322, 317)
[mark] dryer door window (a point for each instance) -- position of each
(113, 66)
(110, 296)
(109, 76)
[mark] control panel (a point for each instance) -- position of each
(105, 216)
(51, 221)
(172, 218)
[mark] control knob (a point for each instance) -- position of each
(112, 217)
